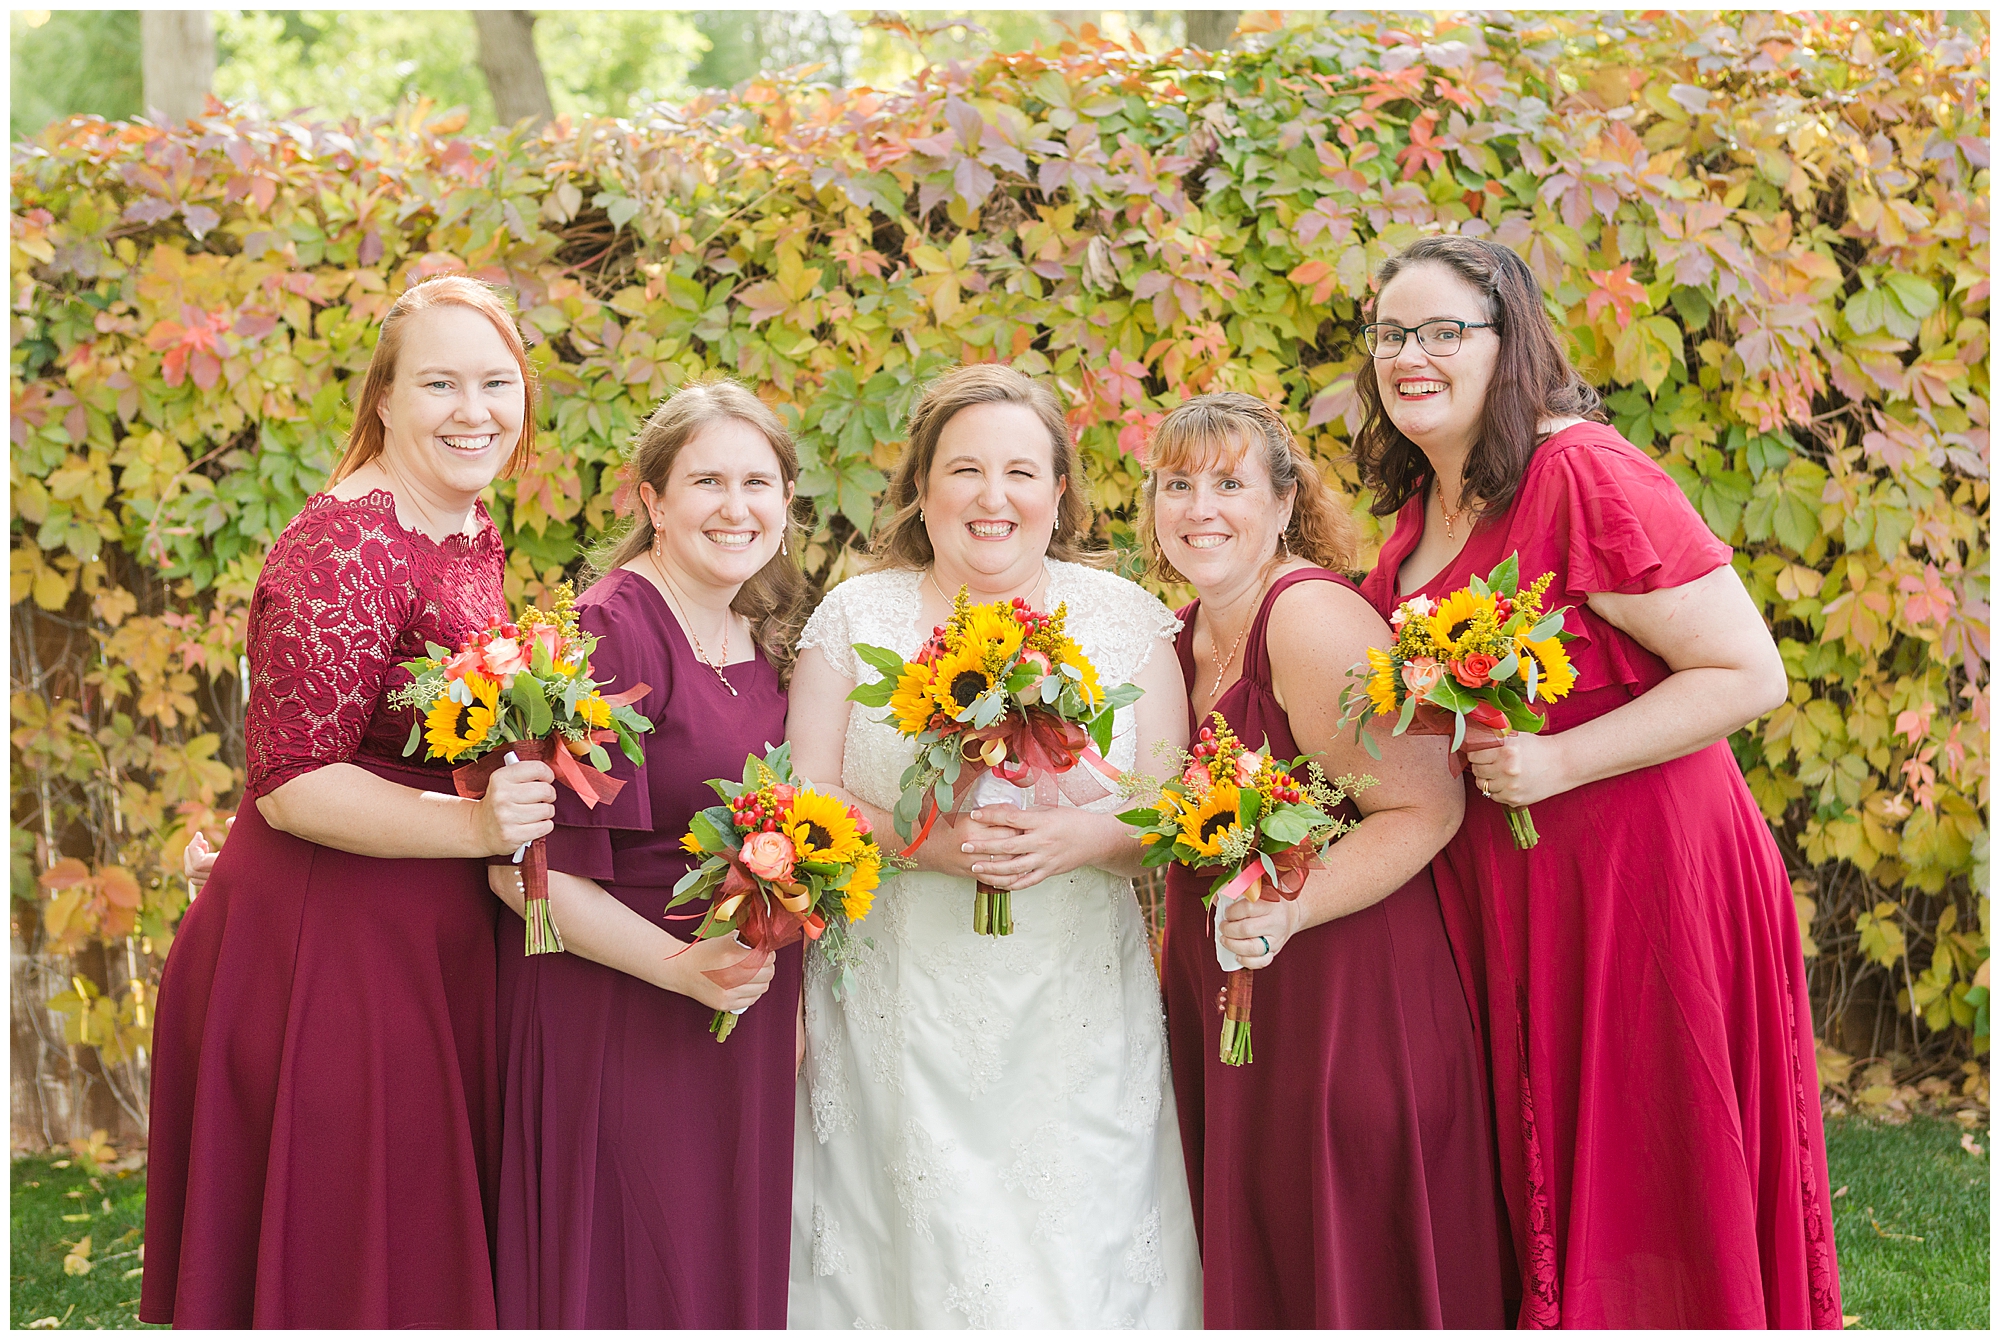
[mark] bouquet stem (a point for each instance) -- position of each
(992, 911)
(722, 1025)
(1235, 1047)
(1523, 825)
(543, 937)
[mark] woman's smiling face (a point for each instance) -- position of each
(990, 500)
(1438, 403)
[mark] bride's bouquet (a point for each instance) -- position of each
(999, 690)
(1250, 819)
(781, 860)
(1486, 653)
(518, 691)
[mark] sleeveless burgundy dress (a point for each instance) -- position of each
(1637, 977)
(325, 1100)
(646, 1178)
(1344, 1178)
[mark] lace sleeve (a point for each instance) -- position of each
(324, 623)
(829, 630)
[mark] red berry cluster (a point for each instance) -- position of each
(1288, 793)
(1503, 607)
(933, 647)
(1030, 619)
(1204, 746)
(751, 814)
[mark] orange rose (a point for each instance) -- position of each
(1474, 669)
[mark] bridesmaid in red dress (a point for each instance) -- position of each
(1637, 976)
(647, 1173)
(1345, 1178)
(325, 1107)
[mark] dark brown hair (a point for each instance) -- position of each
(364, 440)
(773, 600)
(1208, 427)
(901, 540)
(1532, 381)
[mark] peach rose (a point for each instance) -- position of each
(504, 658)
(467, 662)
(1420, 676)
(1246, 769)
(769, 856)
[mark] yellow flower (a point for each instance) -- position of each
(912, 703)
(594, 711)
(993, 632)
(1204, 825)
(451, 727)
(1072, 655)
(960, 677)
(1382, 683)
(859, 895)
(1453, 625)
(821, 829)
(1555, 676)
(690, 845)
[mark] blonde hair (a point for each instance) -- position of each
(773, 600)
(901, 540)
(1211, 427)
(364, 440)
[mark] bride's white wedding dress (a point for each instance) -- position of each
(986, 1131)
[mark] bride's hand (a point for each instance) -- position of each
(1013, 848)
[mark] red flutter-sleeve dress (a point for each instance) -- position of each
(1637, 976)
(325, 1100)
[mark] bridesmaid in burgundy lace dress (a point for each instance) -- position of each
(647, 1173)
(1345, 1177)
(1637, 975)
(325, 1106)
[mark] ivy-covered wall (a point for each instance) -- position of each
(1766, 235)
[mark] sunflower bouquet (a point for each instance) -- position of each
(1487, 653)
(778, 860)
(1251, 819)
(1000, 690)
(518, 691)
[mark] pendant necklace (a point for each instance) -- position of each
(687, 624)
(1222, 665)
(1449, 515)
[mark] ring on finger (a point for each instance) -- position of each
(1266, 940)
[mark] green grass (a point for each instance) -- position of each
(1912, 1227)
(42, 1195)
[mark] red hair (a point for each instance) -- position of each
(364, 441)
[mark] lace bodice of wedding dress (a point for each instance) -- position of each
(987, 1135)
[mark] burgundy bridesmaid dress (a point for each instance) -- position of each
(1344, 1178)
(325, 1105)
(1637, 976)
(646, 1178)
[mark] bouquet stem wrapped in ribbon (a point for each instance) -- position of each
(999, 689)
(518, 692)
(779, 861)
(1248, 817)
(1486, 654)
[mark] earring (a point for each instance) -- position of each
(783, 546)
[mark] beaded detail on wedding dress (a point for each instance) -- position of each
(991, 1119)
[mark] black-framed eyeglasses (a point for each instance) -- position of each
(1439, 338)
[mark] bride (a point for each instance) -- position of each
(991, 1139)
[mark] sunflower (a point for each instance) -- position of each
(959, 678)
(821, 828)
(993, 633)
(451, 727)
(1455, 622)
(1203, 825)
(1072, 655)
(912, 704)
(1555, 676)
(1382, 683)
(859, 895)
(691, 844)
(594, 711)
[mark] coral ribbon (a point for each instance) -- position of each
(761, 928)
(1041, 750)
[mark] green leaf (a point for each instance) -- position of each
(1506, 579)
(888, 662)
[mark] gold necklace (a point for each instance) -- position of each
(1449, 515)
(931, 572)
(687, 624)
(1222, 666)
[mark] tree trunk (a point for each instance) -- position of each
(1211, 29)
(513, 70)
(176, 61)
